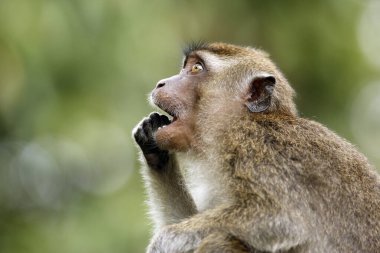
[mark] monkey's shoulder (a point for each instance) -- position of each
(293, 138)
(299, 131)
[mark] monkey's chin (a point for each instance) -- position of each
(174, 137)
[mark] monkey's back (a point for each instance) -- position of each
(341, 178)
(300, 162)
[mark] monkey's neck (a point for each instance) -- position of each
(214, 129)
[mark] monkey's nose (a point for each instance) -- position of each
(160, 84)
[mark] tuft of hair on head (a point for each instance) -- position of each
(194, 46)
(218, 48)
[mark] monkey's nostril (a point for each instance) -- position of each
(159, 85)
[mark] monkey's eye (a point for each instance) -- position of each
(197, 67)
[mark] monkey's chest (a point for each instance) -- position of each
(207, 191)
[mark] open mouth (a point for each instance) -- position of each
(171, 118)
(168, 118)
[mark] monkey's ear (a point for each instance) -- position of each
(258, 97)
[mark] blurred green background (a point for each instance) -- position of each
(74, 79)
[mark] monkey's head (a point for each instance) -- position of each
(219, 83)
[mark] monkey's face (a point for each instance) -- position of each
(178, 96)
(217, 81)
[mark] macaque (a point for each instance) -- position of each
(231, 167)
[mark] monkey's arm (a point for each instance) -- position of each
(170, 201)
(265, 231)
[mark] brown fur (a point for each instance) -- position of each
(276, 182)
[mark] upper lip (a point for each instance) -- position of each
(168, 111)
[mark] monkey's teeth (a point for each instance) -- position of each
(163, 126)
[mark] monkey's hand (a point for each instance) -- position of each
(144, 134)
